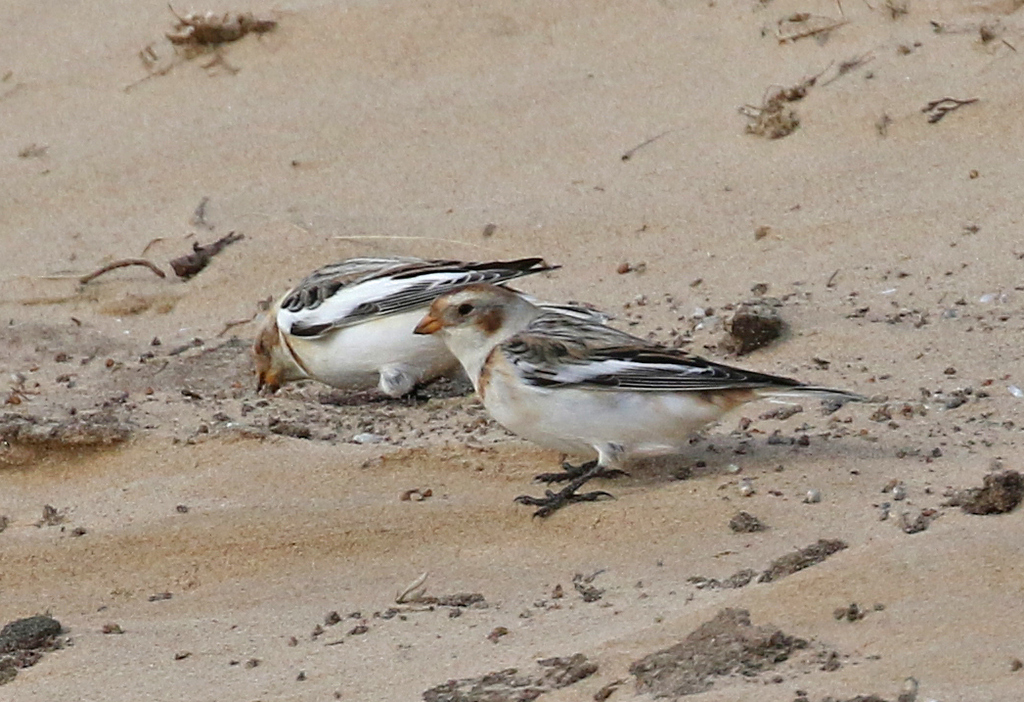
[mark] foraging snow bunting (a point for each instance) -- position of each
(583, 388)
(350, 324)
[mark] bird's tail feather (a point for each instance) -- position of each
(782, 394)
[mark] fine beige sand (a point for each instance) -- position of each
(370, 128)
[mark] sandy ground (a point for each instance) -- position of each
(893, 243)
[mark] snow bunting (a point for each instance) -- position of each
(584, 388)
(350, 324)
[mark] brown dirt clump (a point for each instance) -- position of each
(79, 431)
(1000, 492)
(21, 642)
(726, 645)
(804, 558)
(753, 325)
(510, 685)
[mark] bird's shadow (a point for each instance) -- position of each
(728, 454)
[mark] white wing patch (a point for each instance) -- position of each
(334, 311)
(619, 373)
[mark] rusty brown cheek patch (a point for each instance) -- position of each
(490, 321)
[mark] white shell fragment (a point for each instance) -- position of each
(746, 488)
(367, 438)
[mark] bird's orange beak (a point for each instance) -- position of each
(428, 325)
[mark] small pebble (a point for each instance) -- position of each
(367, 438)
(746, 488)
(812, 497)
(497, 633)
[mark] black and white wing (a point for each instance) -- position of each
(564, 352)
(356, 290)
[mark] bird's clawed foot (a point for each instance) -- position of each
(553, 501)
(577, 477)
(571, 472)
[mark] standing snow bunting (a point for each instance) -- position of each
(583, 388)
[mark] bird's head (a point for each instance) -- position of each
(275, 364)
(474, 319)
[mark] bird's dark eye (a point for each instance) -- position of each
(465, 308)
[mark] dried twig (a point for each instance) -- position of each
(154, 73)
(414, 589)
(5, 79)
(629, 154)
(191, 264)
(152, 241)
(231, 325)
(937, 109)
(219, 60)
(198, 218)
(807, 30)
(896, 8)
(121, 264)
(848, 65)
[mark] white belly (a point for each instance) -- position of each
(354, 356)
(582, 421)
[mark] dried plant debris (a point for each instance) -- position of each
(22, 642)
(725, 646)
(746, 523)
(459, 599)
(847, 66)
(52, 516)
(779, 568)
(510, 685)
(198, 34)
(1001, 492)
(804, 558)
(194, 30)
(801, 25)
(937, 109)
(191, 264)
(774, 119)
(851, 613)
(753, 325)
(896, 8)
(582, 584)
(738, 579)
(123, 263)
(33, 150)
(80, 431)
